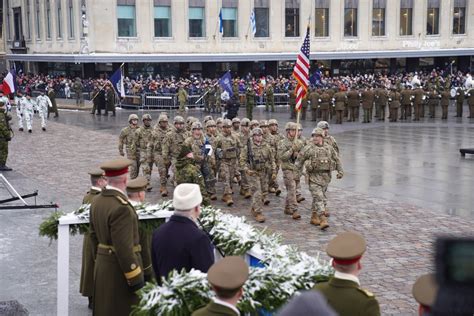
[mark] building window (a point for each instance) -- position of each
(70, 18)
(38, 20)
(350, 17)
(459, 17)
(48, 19)
(378, 18)
(126, 18)
(229, 18)
(292, 18)
(432, 23)
(406, 17)
(197, 18)
(60, 18)
(28, 19)
(262, 18)
(321, 15)
(162, 18)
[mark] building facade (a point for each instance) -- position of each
(182, 37)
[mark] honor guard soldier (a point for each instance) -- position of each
(394, 104)
(173, 142)
(353, 104)
(418, 101)
(325, 105)
(405, 103)
(314, 98)
(367, 97)
(343, 291)
(98, 182)
(444, 102)
(227, 278)
(340, 100)
(127, 139)
(380, 102)
(250, 101)
(136, 194)
(114, 232)
(425, 290)
(459, 101)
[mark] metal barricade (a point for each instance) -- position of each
(159, 101)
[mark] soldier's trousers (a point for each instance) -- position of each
(318, 193)
(43, 116)
(227, 170)
(417, 108)
(258, 185)
(314, 116)
(471, 111)
(352, 114)
(20, 120)
(163, 169)
(459, 109)
(249, 108)
(325, 115)
(432, 110)
(182, 109)
(273, 183)
(79, 99)
(303, 113)
(422, 110)
(445, 112)
(366, 115)
(3, 152)
(290, 184)
(381, 112)
(28, 120)
(393, 114)
(146, 170)
(270, 104)
(134, 168)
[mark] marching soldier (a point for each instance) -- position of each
(244, 135)
(98, 183)
(319, 161)
(77, 87)
(182, 99)
(270, 98)
(276, 138)
(28, 107)
(340, 100)
(211, 138)
(444, 102)
(343, 291)
(227, 151)
(250, 101)
(173, 142)
(19, 100)
(367, 97)
(52, 97)
(394, 104)
(118, 270)
(127, 139)
(314, 97)
(288, 150)
(155, 151)
(268, 140)
(254, 160)
(459, 101)
(43, 103)
(143, 137)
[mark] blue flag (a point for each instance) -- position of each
(221, 22)
(226, 83)
(315, 79)
(117, 82)
(253, 23)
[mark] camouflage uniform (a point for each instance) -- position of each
(182, 99)
(173, 142)
(243, 137)
(127, 138)
(5, 137)
(288, 150)
(318, 161)
(227, 150)
(143, 138)
(254, 160)
(155, 151)
(270, 104)
(272, 143)
(211, 138)
(250, 101)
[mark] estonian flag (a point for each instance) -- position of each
(117, 82)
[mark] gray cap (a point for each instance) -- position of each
(307, 303)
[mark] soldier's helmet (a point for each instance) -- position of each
(291, 126)
(254, 122)
(235, 120)
(272, 122)
(245, 122)
(146, 116)
(196, 125)
(162, 118)
(207, 118)
(323, 125)
(132, 117)
(190, 120)
(210, 123)
(178, 119)
(219, 120)
(299, 126)
(263, 123)
(318, 132)
(256, 131)
(227, 123)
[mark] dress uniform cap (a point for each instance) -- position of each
(245, 122)
(146, 117)
(346, 248)
(186, 196)
(96, 173)
(317, 132)
(132, 117)
(263, 123)
(116, 167)
(256, 131)
(425, 290)
(178, 119)
(235, 120)
(210, 123)
(323, 125)
(137, 185)
(227, 123)
(229, 273)
(272, 122)
(196, 125)
(290, 125)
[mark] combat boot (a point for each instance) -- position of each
(315, 220)
(247, 195)
(163, 191)
(300, 198)
(325, 213)
(258, 216)
(266, 201)
(296, 215)
(288, 211)
(227, 199)
(324, 222)
(277, 192)
(213, 197)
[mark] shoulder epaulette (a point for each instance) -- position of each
(367, 293)
(121, 199)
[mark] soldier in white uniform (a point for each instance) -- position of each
(19, 100)
(28, 106)
(5, 101)
(43, 103)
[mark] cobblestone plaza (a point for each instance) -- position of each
(404, 184)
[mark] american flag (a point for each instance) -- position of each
(301, 71)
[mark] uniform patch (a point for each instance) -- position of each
(121, 199)
(367, 293)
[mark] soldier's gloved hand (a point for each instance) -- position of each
(339, 175)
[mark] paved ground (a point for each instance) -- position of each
(402, 186)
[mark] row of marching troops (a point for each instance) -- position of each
(402, 101)
(245, 153)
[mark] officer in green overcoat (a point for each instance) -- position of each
(343, 291)
(98, 182)
(118, 271)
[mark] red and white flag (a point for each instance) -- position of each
(301, 71)
(8, 84)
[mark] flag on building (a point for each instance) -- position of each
(226, 83)
(301, 71)
(117, 82)
(9, 83)
(253, 23)
(221, 22)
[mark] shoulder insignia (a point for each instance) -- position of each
(121, 199)
(367, 293)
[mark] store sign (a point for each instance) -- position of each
(421, 44)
